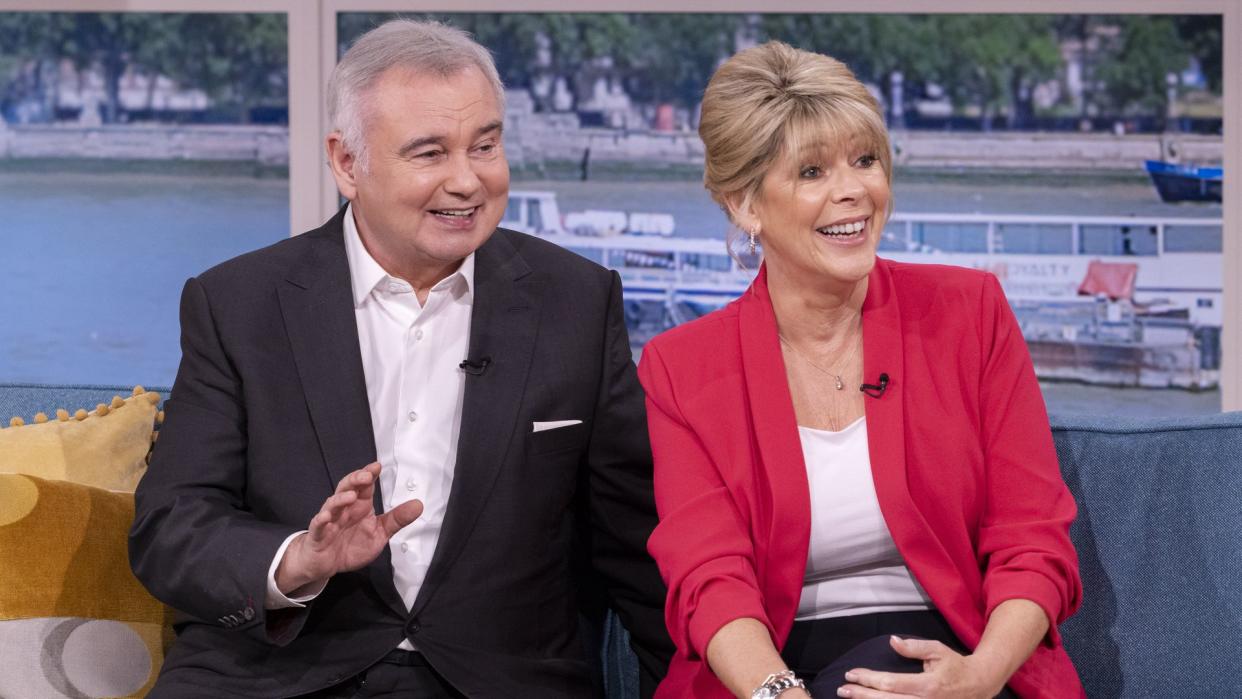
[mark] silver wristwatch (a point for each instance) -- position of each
(776, 684)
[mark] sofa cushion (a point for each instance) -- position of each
(74, 622)
(1159, 540)
(105, 447)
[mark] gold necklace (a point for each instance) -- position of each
(840, 384)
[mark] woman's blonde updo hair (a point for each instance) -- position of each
(774, 99)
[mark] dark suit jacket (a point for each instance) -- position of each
(269, 411)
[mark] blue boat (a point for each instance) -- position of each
(1175, 182)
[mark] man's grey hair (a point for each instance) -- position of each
(419, 47)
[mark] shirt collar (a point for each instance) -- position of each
(365, 273)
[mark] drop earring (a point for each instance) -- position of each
(754, 240)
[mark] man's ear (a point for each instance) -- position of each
(343, 164)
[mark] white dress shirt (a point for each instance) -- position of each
(853, 566)
(410, 358)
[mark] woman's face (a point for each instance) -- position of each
(821, 214)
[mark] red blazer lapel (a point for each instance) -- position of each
(883, 352)
(780, 474)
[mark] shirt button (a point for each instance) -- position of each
(418, 334)
(412, 416)
(405, 547)
(409, 485)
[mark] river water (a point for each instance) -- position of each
(92, 264)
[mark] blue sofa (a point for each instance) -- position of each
(1159, 538)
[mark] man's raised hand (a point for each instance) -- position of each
(345, 535)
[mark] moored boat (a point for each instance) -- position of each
(1177, 182)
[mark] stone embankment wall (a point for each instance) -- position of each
(266, 145)
(534, 141)
(539, 142)
(1052, 151)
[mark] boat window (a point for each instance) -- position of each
(1118, 240)
(641, 259)
(700, 261)
(951, 237)
(894, 237)
(1034, 239)
(513, 212)
(534, 213)
(593, 254)
(1185, 238)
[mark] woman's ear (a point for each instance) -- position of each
(742, 211)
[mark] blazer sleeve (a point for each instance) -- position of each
(621, 507)
(193, 543)
(703, 542)
(1024, 545)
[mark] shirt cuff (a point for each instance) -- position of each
(277, 599)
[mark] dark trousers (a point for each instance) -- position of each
(821, 651)
(400, 674)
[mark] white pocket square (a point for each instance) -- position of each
(541, 426)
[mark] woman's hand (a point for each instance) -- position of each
(946, 673)
(1013, 630)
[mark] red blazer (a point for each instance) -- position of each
(961, 454)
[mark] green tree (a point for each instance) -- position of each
(106, 41)
(29, 57)
(1201, 34)
(674, 55)
(993, 61)
(532, 48)
(874, 46)
(1136, 64)
(239, 59)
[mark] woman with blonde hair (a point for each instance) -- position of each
(856, 481)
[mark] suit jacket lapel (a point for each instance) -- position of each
(503, 326)
(318, 308)
(319, 318)
(780, 446)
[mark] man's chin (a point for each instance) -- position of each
(459, 249)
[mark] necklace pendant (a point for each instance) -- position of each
(840, 384)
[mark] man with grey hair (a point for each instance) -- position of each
(405, 453)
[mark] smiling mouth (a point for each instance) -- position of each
(455, 214)
(843, 230)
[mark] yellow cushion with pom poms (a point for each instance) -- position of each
(106, 447)
(74, 622)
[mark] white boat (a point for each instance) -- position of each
(1168, 324)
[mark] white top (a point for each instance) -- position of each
(853, 566)
(410, 358)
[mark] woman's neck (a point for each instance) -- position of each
(809, 314)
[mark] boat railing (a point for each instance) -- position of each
(902, 232)
(704, 264)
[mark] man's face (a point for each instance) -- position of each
(436, 181)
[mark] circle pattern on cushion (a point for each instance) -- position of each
(33, 662)
(121, 671)
(17, 500)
